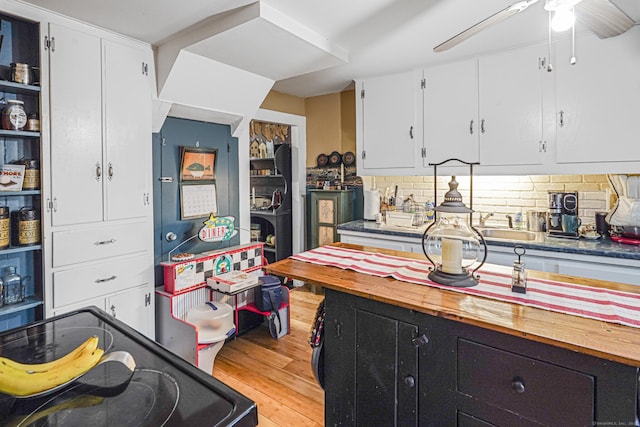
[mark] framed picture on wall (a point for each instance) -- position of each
(197, 200)
(197, 164)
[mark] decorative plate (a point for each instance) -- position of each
(322, 160)
(348, 158)
(335, 158)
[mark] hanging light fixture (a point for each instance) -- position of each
(563, 14)
(451, 243)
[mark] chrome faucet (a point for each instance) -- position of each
(484, 218)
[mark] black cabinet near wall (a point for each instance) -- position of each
(270, 202)
(385, 365)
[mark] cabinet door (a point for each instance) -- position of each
(127, 103)
(134, 307)
(76, 126)
(450, 112)
(597, 100)
(373, 379)
(510, 86)
(387, 121)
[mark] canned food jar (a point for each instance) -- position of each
(25, 226)
(13, 116)
(33, 123)
(5, 229)
(21, 73)
(31, 173)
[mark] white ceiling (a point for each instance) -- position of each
(372, 36)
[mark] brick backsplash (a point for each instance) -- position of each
(504, 195)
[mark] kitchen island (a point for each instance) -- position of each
(398, 352)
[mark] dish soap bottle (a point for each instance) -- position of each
(518, 220)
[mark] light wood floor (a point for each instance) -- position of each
(276, 374)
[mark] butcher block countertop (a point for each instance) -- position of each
(594, 337)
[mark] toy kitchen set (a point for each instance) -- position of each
(224, 278)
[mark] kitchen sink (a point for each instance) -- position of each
(508, 234)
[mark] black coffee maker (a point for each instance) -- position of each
(561, 204)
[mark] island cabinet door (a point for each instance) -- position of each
(503, 380)
(377, 368)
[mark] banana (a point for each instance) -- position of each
(18, 379)
(91, 343)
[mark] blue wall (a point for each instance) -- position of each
(166, 196)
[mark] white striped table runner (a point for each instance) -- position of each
(580, 300)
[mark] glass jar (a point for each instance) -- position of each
(31, 173)
(13, 116)
(13, 287)
(5, 235)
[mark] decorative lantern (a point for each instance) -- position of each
(451, 243)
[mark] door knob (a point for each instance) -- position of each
(171, 236)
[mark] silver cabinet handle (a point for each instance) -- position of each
(482, 125)
(98, 171)
(561, 118)
(110, 171)
(105, 242)
(113, 310)
(108, 279)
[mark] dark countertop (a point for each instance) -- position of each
(599, 247)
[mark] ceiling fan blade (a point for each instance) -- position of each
(486, 23)
(603, 18)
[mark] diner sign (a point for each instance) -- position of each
(218, 229)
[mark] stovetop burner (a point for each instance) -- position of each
(149, 398)
(164, 390)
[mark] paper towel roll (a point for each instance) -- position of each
(371, 204)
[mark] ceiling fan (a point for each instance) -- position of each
(600, 16)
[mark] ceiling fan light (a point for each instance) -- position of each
(563, 19)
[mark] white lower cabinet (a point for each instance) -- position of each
(132, 306)
(593, 267)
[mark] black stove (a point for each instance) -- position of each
(164, 390)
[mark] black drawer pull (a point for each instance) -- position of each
(410, 381)
(518, 385)
(420, 341)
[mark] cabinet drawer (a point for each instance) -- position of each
(79, 284)
(538, 391)
(74, 246)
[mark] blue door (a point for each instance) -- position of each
(169, 230)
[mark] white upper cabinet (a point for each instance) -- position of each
(598, 100)
(100, 129)
(386, 125)
(450, 114)
(76, 126)
(511, 107)
(127, 103)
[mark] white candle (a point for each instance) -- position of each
(342, 173)
(253, 196)
(452, 256)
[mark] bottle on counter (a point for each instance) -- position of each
(517, 220)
